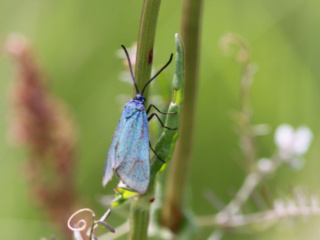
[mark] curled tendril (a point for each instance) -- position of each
(81, 223)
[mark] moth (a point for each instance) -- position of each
(128, 155)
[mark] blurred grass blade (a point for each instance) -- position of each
(177, 177)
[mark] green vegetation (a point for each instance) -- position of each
(75, 45)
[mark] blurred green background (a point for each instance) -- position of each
(75, 43)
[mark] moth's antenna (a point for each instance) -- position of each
(134, 81)
(158, 73)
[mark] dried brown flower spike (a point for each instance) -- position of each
(44, 126)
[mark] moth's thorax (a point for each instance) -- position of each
(135, 105)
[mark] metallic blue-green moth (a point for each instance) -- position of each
(128, 155)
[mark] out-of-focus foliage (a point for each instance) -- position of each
(75, 43)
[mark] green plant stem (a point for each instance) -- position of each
(146, 37)
(139, 217)
(140, 207)
(178, 172)
(164, 147)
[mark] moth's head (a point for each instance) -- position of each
(140, 98)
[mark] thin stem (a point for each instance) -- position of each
(244, 116)
(92, 227)
(246, 134)
(249, 185)
(178, 172)
(226, 216)
(260, 217)
(146, 37)
(140, 207)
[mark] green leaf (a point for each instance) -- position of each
(105, 226)
(122, 195)
(178, 80)
(167, 139)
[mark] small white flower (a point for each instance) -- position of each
(265, 165)
(292, 142)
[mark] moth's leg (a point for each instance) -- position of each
(151, 105)
(156, 154)
(154, 114)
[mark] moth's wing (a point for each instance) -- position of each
(110, 160)
(133, 153)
